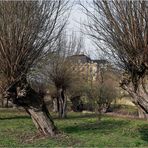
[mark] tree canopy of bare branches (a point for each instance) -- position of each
(28, 30)
(120, 29)
(57, 68)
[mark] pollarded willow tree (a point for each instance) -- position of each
(120, 29)
(27, 31)
(58, 70)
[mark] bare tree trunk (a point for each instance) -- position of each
(62, 103)
(140, 99)
(7, 103)
(64, 106)
(34, 105)
(2, 100)
(42, 121)
(55, 105)
(142, 114)
(2, 103)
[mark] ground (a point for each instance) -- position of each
(79, 129)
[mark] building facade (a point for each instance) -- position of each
(89, 69)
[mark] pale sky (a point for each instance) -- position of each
(77, 17)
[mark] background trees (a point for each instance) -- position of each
(119, 28)
(58, 70)
(103, 91)
(28, 30)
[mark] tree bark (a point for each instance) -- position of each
(2, 103)
(55, 105)
(42, 121)
(142, 114)
(62, 103)
(140, 99)
(7, 103)
(2, 100)
(22, 95)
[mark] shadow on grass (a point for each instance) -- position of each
(15, 117)
(143, 130)
(75, 117)
(102, 127)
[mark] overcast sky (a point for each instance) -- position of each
(77, 17)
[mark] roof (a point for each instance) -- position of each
(81, 58)
(100, 61)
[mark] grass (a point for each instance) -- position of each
(16, 129)
(124, 109)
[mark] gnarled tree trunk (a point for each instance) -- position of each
(21, 94)
(42, 121)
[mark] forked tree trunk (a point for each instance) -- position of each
(23, 95)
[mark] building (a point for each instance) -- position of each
(90, 69)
